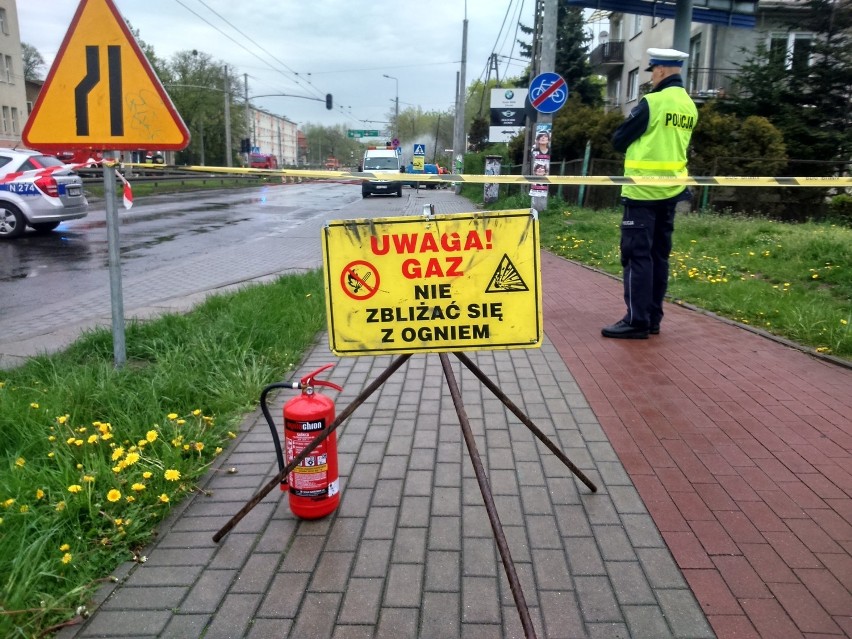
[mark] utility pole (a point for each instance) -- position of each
(459, 146)
(229, 154)
(248, 116)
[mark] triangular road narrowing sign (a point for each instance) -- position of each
(101, 92)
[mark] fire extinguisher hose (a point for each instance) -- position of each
(276, 441)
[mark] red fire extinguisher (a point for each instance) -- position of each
(314, 484)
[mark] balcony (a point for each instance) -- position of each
(705, 83)
(606, 56)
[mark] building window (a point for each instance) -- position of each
(793, 49)
(635, 27)
(633, 85)
(694, 61)
(15, 128)
(9, 75)
(4, 23)
(5, 119)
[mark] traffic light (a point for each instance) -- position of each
(328, 101)
(245, 145)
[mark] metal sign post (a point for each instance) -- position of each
(119, 349)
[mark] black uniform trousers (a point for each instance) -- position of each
(646, 243)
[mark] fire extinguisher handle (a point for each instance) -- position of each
(310, 379)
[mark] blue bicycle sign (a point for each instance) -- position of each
(548, 92)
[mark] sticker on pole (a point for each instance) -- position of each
(468, 281)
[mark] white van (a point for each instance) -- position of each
(380, 161)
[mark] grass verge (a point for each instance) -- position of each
(93, 458)
(791, 280)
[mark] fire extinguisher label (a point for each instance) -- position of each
(310, 477)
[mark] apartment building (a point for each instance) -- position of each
(13, 97)
(275, 135)
(715, 49)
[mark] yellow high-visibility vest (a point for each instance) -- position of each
(661, 150)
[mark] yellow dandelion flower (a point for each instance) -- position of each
(66, 558)
(51, 438)
(181, 422)
(70, 440)
(172, 416)
(88, 479)
(142, 443)
(131, 458)
(232, 435)
(130, 499)
(39, 494)
(138, 487)
(93, 439)
(78, 442)
(815, 276)
(186, 446)
(118, 521)
(64, 548)
(218, 450)
(24, 509)
(196, 412)
(114, 495)
(79, 466)
(147, 474)
(62, 419)
(82, 429)
(8, 502)
(118, 453)
(152, 436)
(163, 498)
(51, 454)
(199, 446)
(172, 475)
(20, 462)
(33, 405)
(75, 488)
(60, 506)
(844, 322)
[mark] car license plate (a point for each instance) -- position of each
(74, 191)
(382, 186)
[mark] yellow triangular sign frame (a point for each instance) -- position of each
(101, 92)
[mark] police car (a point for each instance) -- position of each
(37, 190)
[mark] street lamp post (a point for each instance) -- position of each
(396, 105)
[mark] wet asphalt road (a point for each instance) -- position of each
(73, 260)
(173, 249)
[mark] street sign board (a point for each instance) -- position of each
(362, 133)
(419, 149)
(101, 92)
(443, 283)
(548, 92)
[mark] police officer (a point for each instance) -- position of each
(654, 138)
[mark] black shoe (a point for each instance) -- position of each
(654, 329)
(623, 330)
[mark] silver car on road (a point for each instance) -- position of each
(39, 191)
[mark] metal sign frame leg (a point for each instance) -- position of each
(488, 498)
(499, 394)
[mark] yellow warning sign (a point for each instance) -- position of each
(101, 92)
(468, 281)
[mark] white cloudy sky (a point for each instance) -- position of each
(314, 47)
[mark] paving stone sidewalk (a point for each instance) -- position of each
(410, 552)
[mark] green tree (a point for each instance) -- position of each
(572, 55)
(33, 62)
(196, 84)
(807, 94)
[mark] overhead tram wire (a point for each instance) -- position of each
(296, 79)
